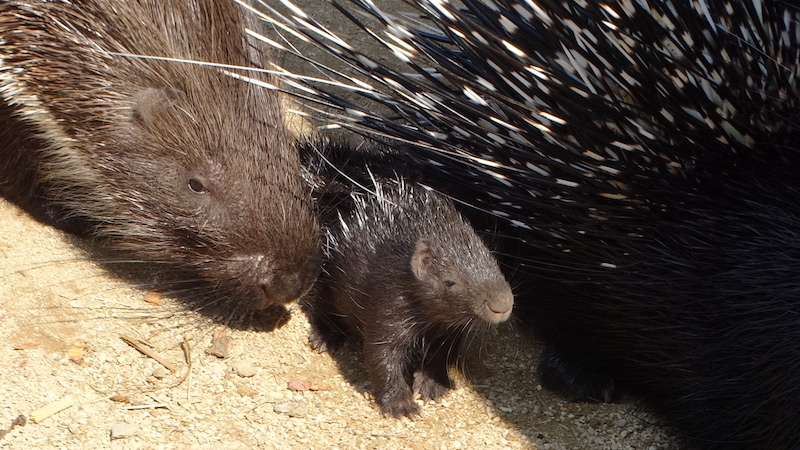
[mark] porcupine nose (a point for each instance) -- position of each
(500, 304)
(281, 286)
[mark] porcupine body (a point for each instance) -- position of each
(640, 159)
(104, 132)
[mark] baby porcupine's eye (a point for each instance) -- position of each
(449, 283)
(197, 187)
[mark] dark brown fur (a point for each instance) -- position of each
(165, 162)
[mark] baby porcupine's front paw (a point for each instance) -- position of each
(399, 407)
(324, 340)
(428, 388)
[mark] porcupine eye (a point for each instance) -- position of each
(449, 283)
(197, 187)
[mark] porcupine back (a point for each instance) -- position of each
(165, 162)
(643, 154)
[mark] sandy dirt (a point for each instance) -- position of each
(62, 321)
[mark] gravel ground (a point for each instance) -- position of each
(63, 317)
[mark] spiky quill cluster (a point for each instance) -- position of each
(572, 107)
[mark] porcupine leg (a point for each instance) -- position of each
(325, 335)
(327, 331)
(432, 380)
(386, 361)
(562, 373)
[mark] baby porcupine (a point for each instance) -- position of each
(404, 273)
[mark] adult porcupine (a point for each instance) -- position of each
(644, 155)
(166, 162)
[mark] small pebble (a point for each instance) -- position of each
(246, 391)
(123, 430)
(292, 408)
(120, 398)
(244, 368)
(220, 344)
(298, 385)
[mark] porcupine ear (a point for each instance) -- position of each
(422, 259)
(151, 105)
